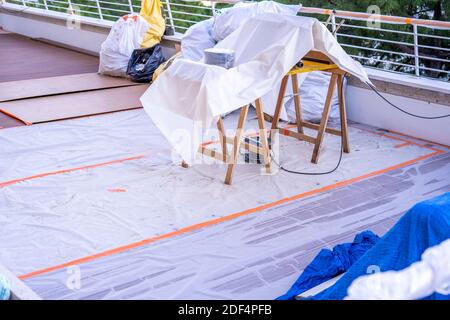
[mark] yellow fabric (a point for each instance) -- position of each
(165, 65)
(151, 12)
(310, 66)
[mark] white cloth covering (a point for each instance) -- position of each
(186, 99)
(421, 279)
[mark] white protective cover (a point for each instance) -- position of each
(231, 19)
(186, 99)
(313, 89)
(196, 39)
(421, 279)
(125, 36)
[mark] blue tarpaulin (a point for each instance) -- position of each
(425, 225)
(330, 263)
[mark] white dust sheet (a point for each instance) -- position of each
(58, 218)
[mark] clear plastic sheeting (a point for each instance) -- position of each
(75, 188)
(253, 256)
(189, 96)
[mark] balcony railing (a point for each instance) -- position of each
(414, 46)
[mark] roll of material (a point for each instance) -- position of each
(219, 57)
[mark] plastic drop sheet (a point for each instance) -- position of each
(185, 100)
(254, 256)
(75, 188)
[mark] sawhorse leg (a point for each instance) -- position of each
(325, 116)
(263, 135)
(343, 114)
(236, 144)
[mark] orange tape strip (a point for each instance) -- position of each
(8, 183)
(16, 117)
(401, 145)
(222, 219)
(420, 139)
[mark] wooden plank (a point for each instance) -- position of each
(14, 90)
(316, 127)
(24, 58)
(298, 135)
(74, 105)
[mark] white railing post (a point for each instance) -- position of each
(130, 3)
(416, 50)
(333, 23)
(99, 8)
(45, 5)
(169, 12)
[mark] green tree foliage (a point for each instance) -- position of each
(393, 42)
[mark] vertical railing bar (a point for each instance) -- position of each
(169, 12)
(99, 8)
(416, 50)
(131, 6)
(333, 23)
(45, 5)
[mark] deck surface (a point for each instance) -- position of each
(22, 58)
(136, 225)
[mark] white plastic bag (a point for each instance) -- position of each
(125, 36)
(231, 19)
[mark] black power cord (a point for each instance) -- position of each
(316, 173)
(371, 86)
(313, 173)
(342, 151)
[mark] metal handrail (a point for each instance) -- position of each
(180, 19)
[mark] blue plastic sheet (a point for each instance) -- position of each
(330, 263)
(425, 225)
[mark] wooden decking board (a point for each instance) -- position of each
(23, 58)
(21, 89)
(74, 105)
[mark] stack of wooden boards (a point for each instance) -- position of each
(42, 82)
(63, 97)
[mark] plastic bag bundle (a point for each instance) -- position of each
(144, 62)
(219, 57)
(129, 33)
(126, 35)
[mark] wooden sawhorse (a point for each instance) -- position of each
(315, 61)
(230, 158)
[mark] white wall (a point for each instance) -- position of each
(86, 40)
(366, 107)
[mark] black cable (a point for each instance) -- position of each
(316, 173)
(400, 109)
(313, 173)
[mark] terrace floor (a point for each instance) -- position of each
(101, 198)
(102, 195)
